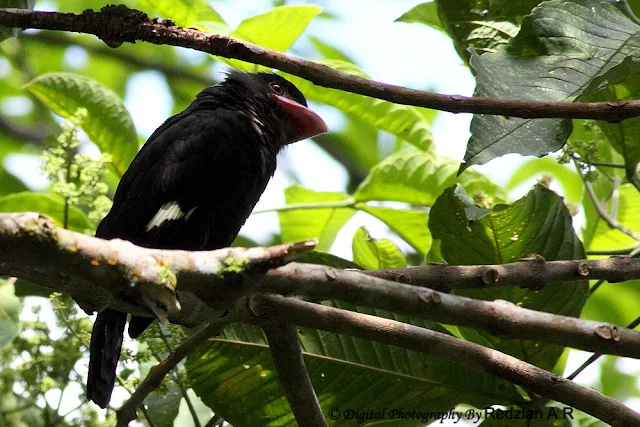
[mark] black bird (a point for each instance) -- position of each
(194, 183)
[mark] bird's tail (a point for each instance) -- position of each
(106, 343)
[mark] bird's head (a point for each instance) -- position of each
(273, 99)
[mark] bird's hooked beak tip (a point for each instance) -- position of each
(306, 122)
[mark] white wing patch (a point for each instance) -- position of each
(170, 211)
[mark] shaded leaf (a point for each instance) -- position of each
(547, 62)
(375, 254)
(234, 375)
(538, 223)
(108, 123)
(618, 83)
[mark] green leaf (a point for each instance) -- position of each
(548, 63)
(322, 224)
(538, 223)
(10, 307)
(163, 405)
(376, 254)
(417, 178)
(10, 183)
(6, 32)
(234, 375)
(424, 13)
(620, 82)
(108, 123)
(190, 13)
(276, 29)
(411, 225)
(568, 179)
(406, 122)
(46, 204)
(484, 25)
(626, 208)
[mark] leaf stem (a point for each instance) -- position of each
(347, 203)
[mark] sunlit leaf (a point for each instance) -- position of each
(322, 224)
(46, 204)
(424, 13)
(108, 123)
(375, 254)
(276, 29)
(191, 13)
(403, 121)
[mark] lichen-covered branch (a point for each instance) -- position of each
(118, 24)
(118, 274)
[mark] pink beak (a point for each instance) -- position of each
(306, 122)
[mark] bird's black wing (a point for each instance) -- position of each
(191, 187)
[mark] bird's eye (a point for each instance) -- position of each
(277, 88)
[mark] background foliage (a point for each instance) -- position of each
(553, 51)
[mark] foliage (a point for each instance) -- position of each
(409, 205)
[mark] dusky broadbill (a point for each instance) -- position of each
(194, 183)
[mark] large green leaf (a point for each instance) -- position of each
(406, 122)
(483, 25)
(9, 183)
(276, 29)
(10, 307)
(418, 178)
(108, 123)
(190, 13)
(234, 375)
(618, 83)
(322, 224)
(411, 225)
(424, 13)
(375, 254)
(538, 223)
(46, 204)
(626, 207)
(560, 48)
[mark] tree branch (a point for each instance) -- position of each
(287, 358)
(211, 282)
(465, 353)
(127, 411)
(118, 24)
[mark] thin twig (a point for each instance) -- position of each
(127, 411)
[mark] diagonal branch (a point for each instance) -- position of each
(118, 24)
(471, 355)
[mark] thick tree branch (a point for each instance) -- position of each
(98, 273)
(497, 317)
(465, 353)
(118, 24)
(287, 358)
